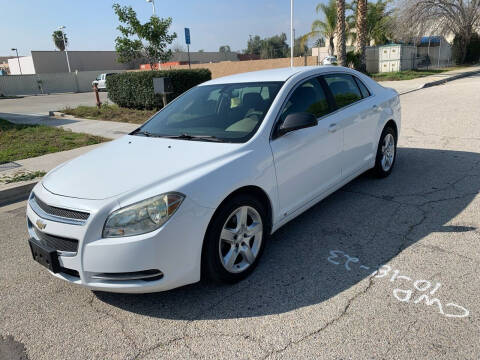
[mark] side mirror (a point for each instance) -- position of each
(297, 121)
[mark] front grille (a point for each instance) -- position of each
(55, 242)
(56, 211)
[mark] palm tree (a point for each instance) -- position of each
(341, 33)
(324, 28)
(361, 25)
(57, 37)
(380, 21)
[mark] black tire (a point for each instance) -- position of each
(378, 170)
(212, 267)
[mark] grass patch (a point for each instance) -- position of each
(19, 141)
(406, 75)
(25, 176)
(111, 113)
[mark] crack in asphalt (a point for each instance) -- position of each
(342, 314)
(123, 328)
(406, 332)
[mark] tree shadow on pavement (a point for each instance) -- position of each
(371, 219)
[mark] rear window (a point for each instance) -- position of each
(344, 89)
(363, 88)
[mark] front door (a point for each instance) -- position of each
(307, 161)
(358, 119)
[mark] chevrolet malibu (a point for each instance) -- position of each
(197, 190)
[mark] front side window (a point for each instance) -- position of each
(226, 112)
(344, 89)
(308, 97)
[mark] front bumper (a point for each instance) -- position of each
(102, 264)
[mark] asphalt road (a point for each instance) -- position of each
(313, 295)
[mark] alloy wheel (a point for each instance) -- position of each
(241, 239)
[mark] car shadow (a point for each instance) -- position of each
(370, 219)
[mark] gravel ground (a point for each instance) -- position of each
(314, 294)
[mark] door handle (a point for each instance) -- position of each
(332, 128)
(375, 107)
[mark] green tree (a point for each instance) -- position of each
(324, 29)
(149, 40)
(225, 50)
(380, 21)
(254, 45)
(300, 48)
(57, 37)
(268, 48)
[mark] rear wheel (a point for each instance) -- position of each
(386, 152)
(235, 239)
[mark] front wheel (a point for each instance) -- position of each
(386, 153)
(235, 239)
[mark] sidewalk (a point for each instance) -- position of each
(19, 190)
(406, 86)
(107, 129)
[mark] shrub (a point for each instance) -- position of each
(135, 89)
(473, 49)
(353, 60)
(472, 54)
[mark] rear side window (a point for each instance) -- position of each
(308, 97)
(344, 89)
(363, 88)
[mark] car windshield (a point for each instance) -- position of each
(224, 112)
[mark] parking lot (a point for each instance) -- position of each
(380, 269)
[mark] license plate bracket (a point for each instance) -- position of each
(44, 255)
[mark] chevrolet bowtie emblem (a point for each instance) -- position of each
(41, 225)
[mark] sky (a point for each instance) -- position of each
(91, 24)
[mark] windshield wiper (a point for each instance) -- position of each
(139, 131)
(194, 137)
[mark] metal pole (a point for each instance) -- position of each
(189, 63)
(153, 6)
(66, 52)
(18, 59)
(291, 33)
(439, 52)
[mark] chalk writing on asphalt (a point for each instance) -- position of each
(405, 285)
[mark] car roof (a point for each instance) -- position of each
(282, 74)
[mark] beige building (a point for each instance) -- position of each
(47, 62)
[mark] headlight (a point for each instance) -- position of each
(142, 217)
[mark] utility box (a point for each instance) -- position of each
(397, 57)
(162, 85)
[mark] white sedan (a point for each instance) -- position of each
(198, 189)
(330, 60)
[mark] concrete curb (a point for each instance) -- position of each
(451, 78)
(17, 193)
(442, 81)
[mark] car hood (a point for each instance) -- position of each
(129, 163)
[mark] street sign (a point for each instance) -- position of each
(187, 36)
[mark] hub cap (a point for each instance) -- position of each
(240, 239)
(388, 152)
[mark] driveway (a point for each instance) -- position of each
(35, 109)
(380, 269)
(42, 104)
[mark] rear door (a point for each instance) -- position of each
(357, 116)
(307, 161)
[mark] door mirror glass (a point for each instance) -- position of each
(297, 121)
